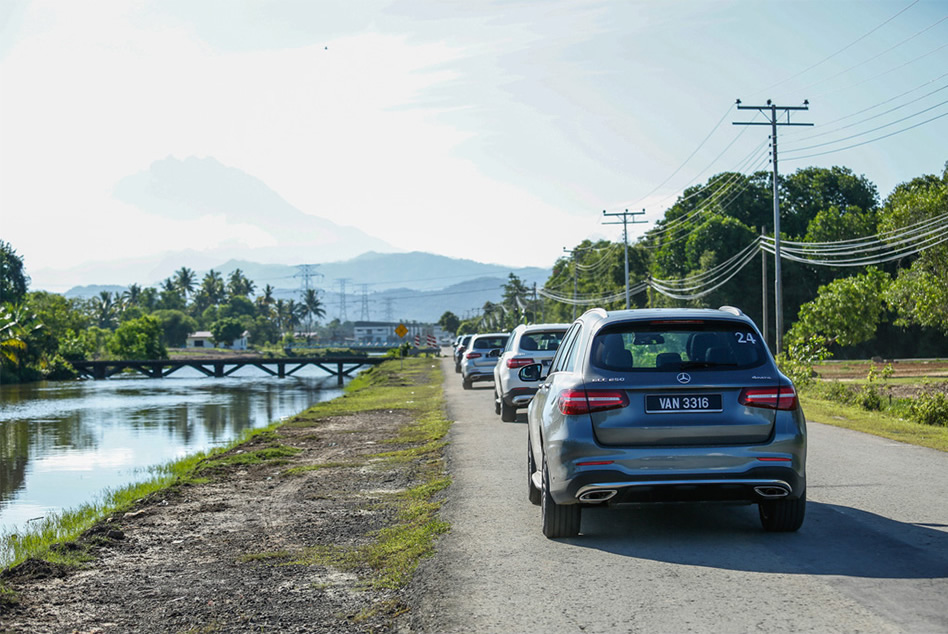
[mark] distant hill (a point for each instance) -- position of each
(93, 290)
(412, 286)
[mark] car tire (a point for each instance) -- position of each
(466, 384)
(496, 403)
(533, 493)
(782, 516)
(457, 368)
(559, 520)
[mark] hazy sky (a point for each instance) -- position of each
(496, 131)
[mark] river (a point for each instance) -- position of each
(63, 443)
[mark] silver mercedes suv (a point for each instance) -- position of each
(664, 405)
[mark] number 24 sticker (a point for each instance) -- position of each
(745, 337)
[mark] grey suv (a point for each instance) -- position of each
(664, 405)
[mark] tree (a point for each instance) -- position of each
(227, 329)
(176, 325)
(211, 292)
(920, 293)
(13, 280)
(311, 307)
(16, 325)
(449, 322)
(238, 285)
(170, 296)
(138, 339)
(265, 300)
(810, 190)
(103, 310)
(183, 280)
(846, 311)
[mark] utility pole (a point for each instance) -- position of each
(770, 111)
(625, 239)
(575, 283)
(763, 289)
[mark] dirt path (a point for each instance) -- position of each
(237, 553)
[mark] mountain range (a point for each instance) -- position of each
(412, 286)
(360, 276)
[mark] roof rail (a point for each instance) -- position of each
(732, 310)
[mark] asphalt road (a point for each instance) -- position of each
(872, 555)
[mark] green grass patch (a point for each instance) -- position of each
(877, 423)
(292, 471)
(275, 455)
(396, 550)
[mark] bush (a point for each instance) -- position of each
(930, 409)
(869, 399)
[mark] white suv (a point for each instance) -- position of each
(527, 345)
(478, 360)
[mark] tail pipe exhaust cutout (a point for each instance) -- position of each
(771, 492)
(595, 497)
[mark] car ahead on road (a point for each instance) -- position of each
(664, 405)
(536, 343)
(478, 361)
(459, 347)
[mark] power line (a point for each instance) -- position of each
(848, 46)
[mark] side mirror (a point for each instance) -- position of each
(531, 373)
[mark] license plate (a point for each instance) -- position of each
(679, 403)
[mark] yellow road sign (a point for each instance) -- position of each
(400, 330)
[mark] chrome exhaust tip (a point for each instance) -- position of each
(771, 492)
(595, 497)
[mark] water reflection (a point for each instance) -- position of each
(63, 443)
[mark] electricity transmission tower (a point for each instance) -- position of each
(364, 313)
(770, 112)
(343, 318)
(625, 239)
(306, 272)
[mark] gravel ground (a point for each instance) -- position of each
(220, 556)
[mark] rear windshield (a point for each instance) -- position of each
(489, 343)
(672, 346)
(544, 341)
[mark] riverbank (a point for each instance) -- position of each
(313, 525)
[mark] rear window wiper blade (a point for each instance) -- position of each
(691, 365)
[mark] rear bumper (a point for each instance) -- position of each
(611, 487)
(519, 396)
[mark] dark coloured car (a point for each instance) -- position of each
(664, 405)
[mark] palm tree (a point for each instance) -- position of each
(212, 290)
(104, 310)
(238, 285)
(132, 295)
(15, 326)
(311, 307)
(184, 280)
(264, 301)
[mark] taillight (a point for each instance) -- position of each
(576, 402)
(775, 397)
(473, 355)
(514, 362)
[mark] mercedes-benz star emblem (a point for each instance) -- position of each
(684, 377)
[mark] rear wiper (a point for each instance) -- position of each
(691, 365)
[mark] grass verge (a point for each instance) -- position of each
(876, 423)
